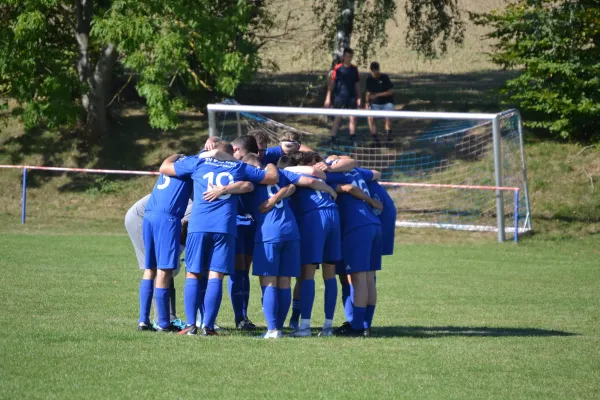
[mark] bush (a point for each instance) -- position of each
(556, 45)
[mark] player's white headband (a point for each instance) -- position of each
(290, 142)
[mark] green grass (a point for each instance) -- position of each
(453, 321)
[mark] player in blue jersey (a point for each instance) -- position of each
(239, 282)
(134, 221)
(387, 216)
(319, 239)
(277, 243)
(161, 232)
(289, 143)
(212, 229)
(361, 248)
(320, 243)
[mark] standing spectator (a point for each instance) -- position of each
(344, 85)
(379, 97)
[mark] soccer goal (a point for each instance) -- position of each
(462, 171)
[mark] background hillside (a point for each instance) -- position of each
(563, 180)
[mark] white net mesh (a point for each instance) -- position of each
(456, 152)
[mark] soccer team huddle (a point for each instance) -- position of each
(282, 212)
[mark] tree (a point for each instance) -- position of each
(555, 45)
(57, 57)
(432, 25)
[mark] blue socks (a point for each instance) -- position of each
(235, 285)
(270, 307)
(348, 300)
(212, 302)
(190, 300)
(331, 292)
(163, 304)
(295, 318)
(202, 283)
(369, 316)
(284, 299)
(358, 317)
(307, 298)
(146, 289)
(246, 291)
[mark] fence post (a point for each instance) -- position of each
(24, 197)
(516, 216)
(496, 135)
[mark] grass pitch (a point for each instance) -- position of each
(477, 320)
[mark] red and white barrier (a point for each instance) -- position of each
(25, 168)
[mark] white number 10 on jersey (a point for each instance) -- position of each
(210, 177)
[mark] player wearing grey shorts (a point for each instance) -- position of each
(133, 224)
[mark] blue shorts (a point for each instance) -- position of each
(244, 244)
(388, 232)
(321, 237)
(161, 233)
(207, 251)
(383, 107)
(277, 258)
(348, 103)
(361, 248)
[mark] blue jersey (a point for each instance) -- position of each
(387, 216)
(272, 155)
(354, 213)
(279, 224)
(244, 217)
(307, 199)
(218, 216)
(170, 194)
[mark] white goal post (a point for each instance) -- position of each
(493, 122)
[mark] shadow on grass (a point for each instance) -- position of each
(425, 332)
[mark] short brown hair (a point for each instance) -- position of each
(251, 158)
(225, 147)
(290, 136)
(261, 137)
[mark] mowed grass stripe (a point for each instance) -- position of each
(465, 321)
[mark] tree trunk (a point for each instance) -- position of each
(96, 81)
(99, 91)
(345, 24)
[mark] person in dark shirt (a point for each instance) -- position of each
(379, 97)
(344, 86)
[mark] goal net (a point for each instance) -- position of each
(425, 158)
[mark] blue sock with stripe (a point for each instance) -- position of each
(331, 292)
(212, 302)
(270, 307)
(369, 316)
(295, 318)
(358, 318)
(348, 299)
(202, 283)
(190, 300)
(163, 305)
(284, 299)
(146, 289)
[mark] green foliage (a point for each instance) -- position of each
(370, 18)
(556, 45)
(174, 48)
(38, 63)
(432, 25)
